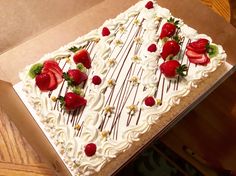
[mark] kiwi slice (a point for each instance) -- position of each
(35, 70)
(81, 67)
(212, 50)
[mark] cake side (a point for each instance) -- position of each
(116, 112)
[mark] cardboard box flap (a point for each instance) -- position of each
(41, 15)
(17, 112)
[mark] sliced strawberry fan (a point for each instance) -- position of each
(53, 81)
(203, 60)
(193, 54)
(52, 66)
(47, 75)
(197, 52)
(199, 46)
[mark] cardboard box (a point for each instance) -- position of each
(15, 59)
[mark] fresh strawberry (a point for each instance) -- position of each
(193, 54)
(105, 31)
(198, 50)
(90, 149)
(169, 28)
(72, 101)
(149, 5)
(53, 66)
(172, 68)
(200, 43)
(42, 80)
(75, 77)
(199, 46)
(50, 63)
(170, 48)
(152, 48)
(96, 80)
(82, 56)
(53, 81)
(149, 101)
(58, 76)
(203, 60)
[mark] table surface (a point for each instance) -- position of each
(17, 156)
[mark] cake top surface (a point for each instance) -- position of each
(98, 94)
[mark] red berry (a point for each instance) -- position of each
(149, 101)
(42, 81)
(90, 149)
(149, 5)
(172, 68)
(76, 76)
(82, 56)
(73, 101)
(105, 31)
(96, 80)
(170, 48)
(168, 30)
(152, 48)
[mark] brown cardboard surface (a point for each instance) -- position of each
(14, 60)
(21, 20)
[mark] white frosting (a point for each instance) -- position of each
(61, 130)
(188, 31)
